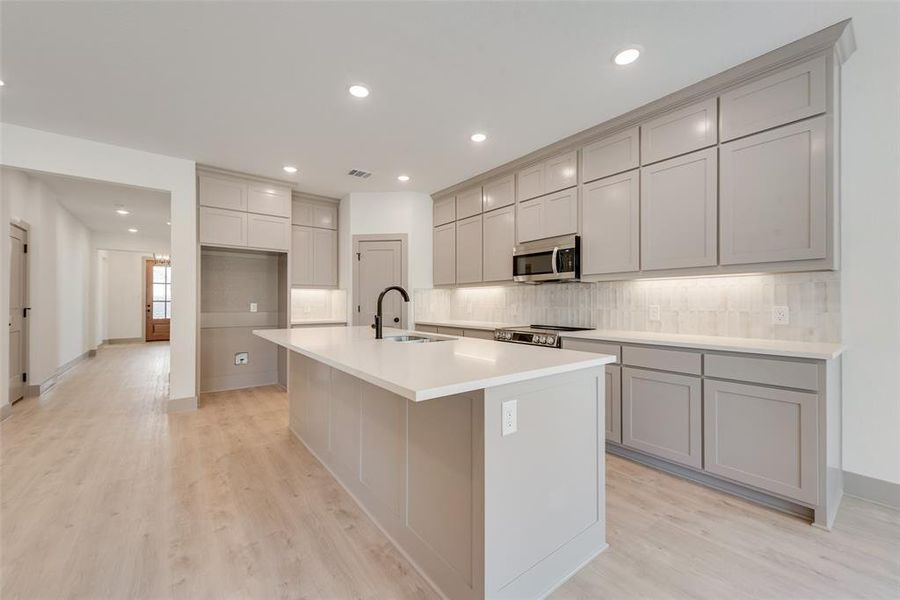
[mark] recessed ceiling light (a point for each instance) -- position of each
(289, 169)
(478, 137)
(132, 230)
(1, 83)
(626, 56)
(122, 211)
(359, 91)
(402, 177)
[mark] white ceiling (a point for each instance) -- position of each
(94, 203)
(252, 86)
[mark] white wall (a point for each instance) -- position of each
(59, 255)
(387, 212)
(125, 300)
(52, 153)
(129, 242)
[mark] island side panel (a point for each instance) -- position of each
(415, 468)
(545, 499)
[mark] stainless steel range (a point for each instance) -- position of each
(535, 335)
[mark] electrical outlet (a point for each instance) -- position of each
(510, 416)
(781, 315)
(242, 358)
(654, 312)
(307, 309)
(253, 307)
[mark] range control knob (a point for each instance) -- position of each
(551, 340)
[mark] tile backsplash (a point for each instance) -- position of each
(738, 306)
(318, 305)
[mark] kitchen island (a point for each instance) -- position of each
(415, 433)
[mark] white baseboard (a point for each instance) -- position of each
(879, 491)
(5, 411)
(181, 404)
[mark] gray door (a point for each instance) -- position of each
(380, 265)
(17, 334)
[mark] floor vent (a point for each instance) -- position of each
(359, 173)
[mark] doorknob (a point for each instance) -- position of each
(396, 319)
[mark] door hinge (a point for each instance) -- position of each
(24, 377)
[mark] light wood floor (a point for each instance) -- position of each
(103, 495)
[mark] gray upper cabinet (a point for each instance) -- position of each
(223, 227)
(610, 224)
(548, 216)
(314, 213)
(468, 203)
(313, 256)
(678, 212)
(444, 210)
(613, 154)
(499, 192)
(268, 199)
(302, 253)
(785, 96)
(661, 415)
(530, 220)
(266, 231)
(444, 254)
(325, 216)
(550, 175)
(499, 238)
(222, 192)
(774, 202)
(680, 131)
(468, 250)
(764, 437)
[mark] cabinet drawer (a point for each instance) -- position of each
(479, 334)
(269, 200)
(500, 192)
(769, 371)
(614, 154)
(678, 132)
(273, 233)
(444, 210)
(592, 346)
(763, 437)
(468, 203)
(680, 361)
(426, 328)
(789, 95)
(222, 192)
(223, 227)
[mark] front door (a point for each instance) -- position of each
(17, 314)
(380, 266)
(159, 301)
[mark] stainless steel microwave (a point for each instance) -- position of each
(553, 259)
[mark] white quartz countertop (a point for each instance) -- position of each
(425, 371)
(483, 325)
(815, 350)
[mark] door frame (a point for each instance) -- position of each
(28, 389)
(404, 270)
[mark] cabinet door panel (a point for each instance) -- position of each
(678, 212)
(763, 437)
(679, 131)
(530, 182)
(614, 154)
(444, 210)
(661, 415)
(561, 172)
(468, 203)
(302, 213)
(614, 404)
(222, 192)
(302, 255)
(499, 193)
(272, 233)
(269, 200)
(223, 227)
(325, 257)
(468, 250)
(774, 195)
(783, 97)
(499, 240)
(325, 216)
(560, 213)
(610, 224)
(445, 254)
(529, 220)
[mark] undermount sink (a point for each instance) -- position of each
(413, 339)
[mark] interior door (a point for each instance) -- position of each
(380, 266)
(17, 308)
(159, 301)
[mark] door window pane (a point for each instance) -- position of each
(159, 310)
(159, 274)
(159, 291)
(168, 292)
(168, 310)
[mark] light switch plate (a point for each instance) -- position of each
(242, 358)
(781, 315)
(253, 307)
(510, 416)
(654, 312)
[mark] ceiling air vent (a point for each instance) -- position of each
(359, 173)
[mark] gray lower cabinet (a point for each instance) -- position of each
(678, 212)
(444, 258)
(661, 415)
(499, 227)
(610, 224)
(764, 437)
(614, 403)
(468, 250)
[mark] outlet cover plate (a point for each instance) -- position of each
(654, 312)
(510, 417)
(781, 315)
(242, 358)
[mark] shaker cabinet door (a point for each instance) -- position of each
(267, 199)
(444, 210)
(530, 182)
(614, 403)
(271, 233)
(680, 131)
(468, 203)
(302, 255)
(223, 227)
(444, 259)
(678, 212)
(468, 250)
(774, 201)
(561, 172)
(610, 225)
(613, 154)
(499, 192)
(499, 240)
(529, 220)
(325, 266)
(222, 192)
(560, 213)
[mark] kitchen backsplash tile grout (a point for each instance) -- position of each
(735, 306)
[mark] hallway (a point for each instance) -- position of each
(106, 496)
